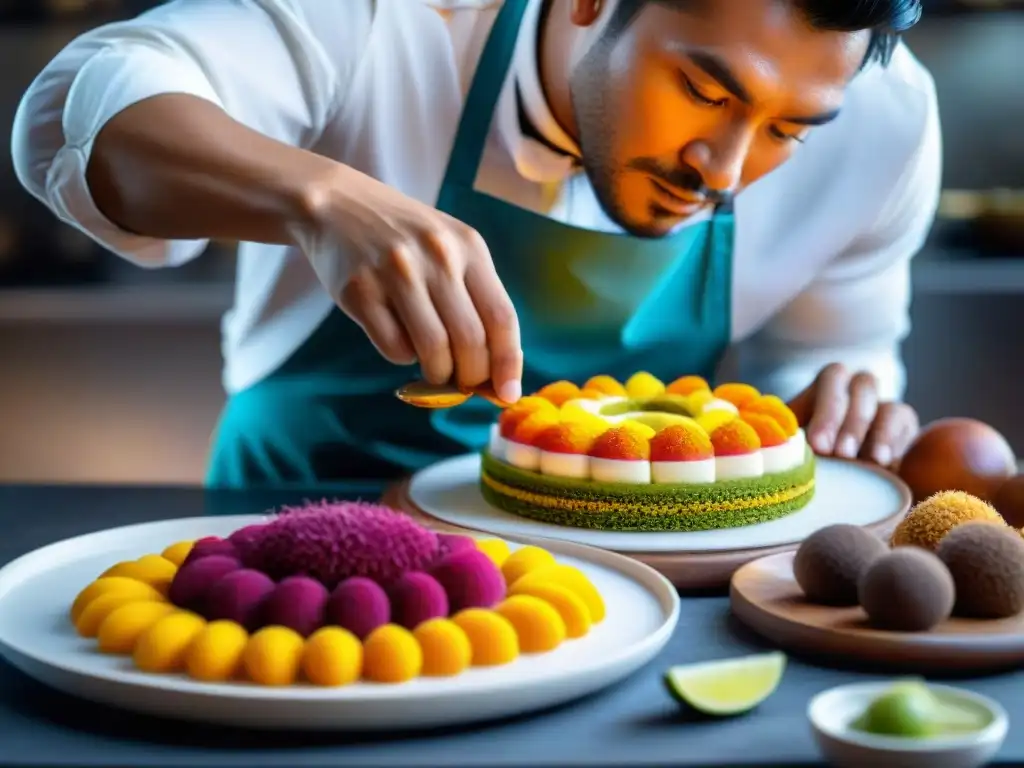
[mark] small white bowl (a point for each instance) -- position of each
(831, 713)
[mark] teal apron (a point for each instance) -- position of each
(588, 303)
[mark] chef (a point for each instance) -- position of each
(509, 190)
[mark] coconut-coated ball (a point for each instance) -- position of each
(334, 541)
(239, 597)
(417, 597)
(907, 590)
(359, 605)
(831, 560)
(193, 580)
(987, 563)
(931, 519)
(298, 603)
(471, 580)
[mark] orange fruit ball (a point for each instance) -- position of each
(559, 392)
(538, 624)
(1009, 501)
(957, 454)
(391, 654)
(446, 648)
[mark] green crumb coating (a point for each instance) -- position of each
(579, 503)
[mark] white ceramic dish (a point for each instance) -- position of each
(36, 636)
(832, 711)
(846, 492)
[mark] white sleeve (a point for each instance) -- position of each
(857, 310)
(263, 61)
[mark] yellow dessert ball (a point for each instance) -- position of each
(491, 636)
(698, 400)
(151, 569)
(446, 648)
(644, 386)
(496, 549)
(524, 560)
(125, 569)
(120, 584)
(332, 656)
(159, 572)
(712, 420)
(576, 408)
(391, 654)
(157, 563)
(216, 652)
(163, 647)
(273, 656)
(575, 581)
(96, 611)
(177, 552)
(538, 625)
(121, 629)
(574, 612)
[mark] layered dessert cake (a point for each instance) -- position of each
(335, 594)
(641, 455)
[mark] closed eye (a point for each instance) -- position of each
(694, 93)
(781, 135)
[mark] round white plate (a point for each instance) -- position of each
(36, 635)
(845, 492)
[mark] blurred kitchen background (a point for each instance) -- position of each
(109, 373)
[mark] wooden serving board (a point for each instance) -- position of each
(688, 571)
(765, 596)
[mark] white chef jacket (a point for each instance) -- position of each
(823, 245)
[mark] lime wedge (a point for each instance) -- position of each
(727, 686)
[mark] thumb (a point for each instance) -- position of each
(802, 404)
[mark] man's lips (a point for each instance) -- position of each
(676, 201)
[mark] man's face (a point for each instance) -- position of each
(701, 98)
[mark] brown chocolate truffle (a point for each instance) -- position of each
(831, 560)
(907, 590)
(987, 563)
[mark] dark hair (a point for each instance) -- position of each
(887, 19)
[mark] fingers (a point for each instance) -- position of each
(848, 421)
(831, 403)
(893, 430)
(427, 289)
(403, 270)
(500, 324)
(455, 307)
(364, 301)
(860, 413)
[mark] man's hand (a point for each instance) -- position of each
(420, 283)
(843, 417)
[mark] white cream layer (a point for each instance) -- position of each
(765, 461)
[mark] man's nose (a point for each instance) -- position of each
(720, 160)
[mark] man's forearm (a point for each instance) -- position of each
(177, 167)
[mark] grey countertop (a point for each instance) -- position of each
(634, 723)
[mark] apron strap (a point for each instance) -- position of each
(717, 258)
(478, 111)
